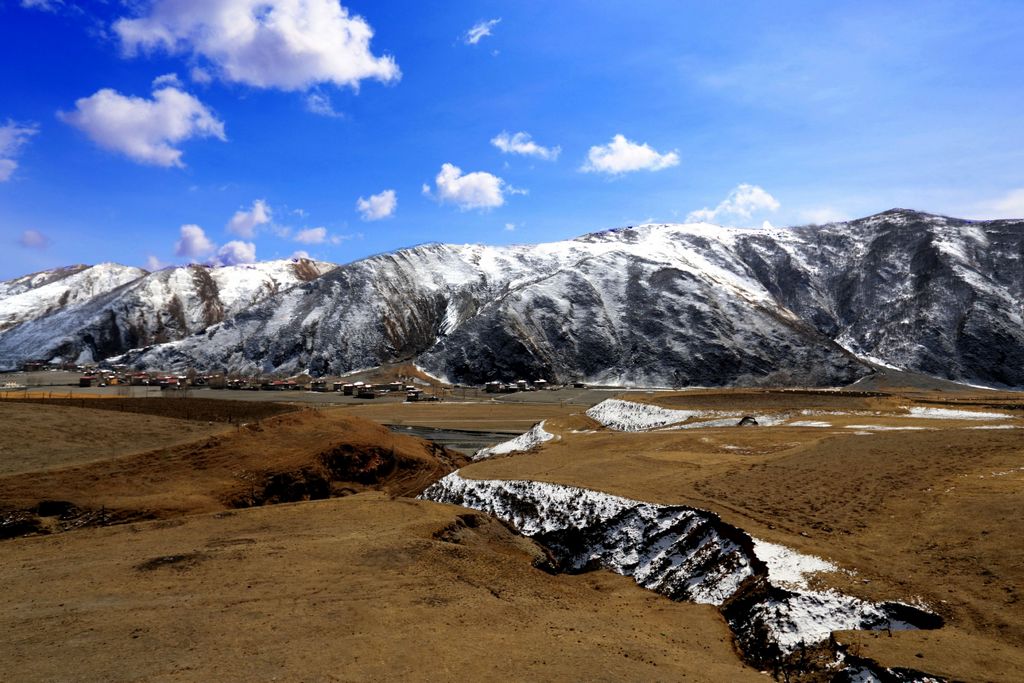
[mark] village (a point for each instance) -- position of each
(409, 387)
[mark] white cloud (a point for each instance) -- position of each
(154, 263)
(45, 5)
(510, 227)
(742, 203)
(522, 143)
(321, 105)
(1010, 205)
(300, 254)
(311, 236)
(822, 214)
(144, 130)
(193, 243)
(235, 252)
(479, 190)
(286, 44)
(378, 206)
(13, 137)
(200, 75)
(479, 31)
(624, 156)
(244, 223)
(33, 239)
(167, 79)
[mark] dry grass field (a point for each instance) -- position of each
(362, 588)
(35, 438)
(373, 585)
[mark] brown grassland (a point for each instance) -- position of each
(374, 585)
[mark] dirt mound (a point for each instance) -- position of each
(305, 455)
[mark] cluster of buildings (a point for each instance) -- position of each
(497, 387)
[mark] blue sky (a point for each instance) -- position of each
(268, 127)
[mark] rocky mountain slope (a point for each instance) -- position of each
(93, 312)
(651, 304)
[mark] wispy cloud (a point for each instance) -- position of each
(33, 239)
(13, 137)
(522, 143)
(480, 30)
(321, 105)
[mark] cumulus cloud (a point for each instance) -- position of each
(478, 190)
(235, 252)
(378, 206)
(144, 130)
(311, 236)
(742, 203)
(522, 143)
(624, 156)
(321, 105)
(1010, 205)
(193, 243)
(286, 44)
(480, 30)
(33, 239)
(244, 223)
(13, 137)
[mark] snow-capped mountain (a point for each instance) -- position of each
(654, 304)
(93, 312)
(651, 304)
(39, 294)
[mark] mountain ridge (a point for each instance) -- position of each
(665, 304)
